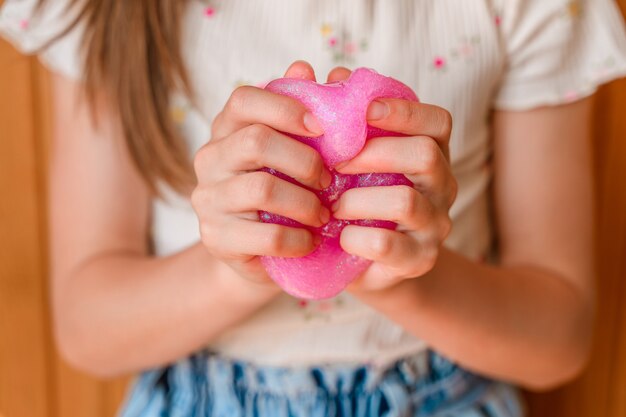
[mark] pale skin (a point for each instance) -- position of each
(527, 320)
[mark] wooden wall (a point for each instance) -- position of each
(601, 391)
(34, 382)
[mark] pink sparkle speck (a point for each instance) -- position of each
(23, 24)
(332, 41)
(498, 20)
(303, 303)
(439, 62)
(209, 11)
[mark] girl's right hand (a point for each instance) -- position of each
(231, 190)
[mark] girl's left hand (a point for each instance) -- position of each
(421, 211)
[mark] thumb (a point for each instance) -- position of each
(302, 70)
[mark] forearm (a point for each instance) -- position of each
(121, 312)
(516, 323)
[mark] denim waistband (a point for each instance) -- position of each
(206, 384)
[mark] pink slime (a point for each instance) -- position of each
(341, 109)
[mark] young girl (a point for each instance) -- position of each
(155, 265)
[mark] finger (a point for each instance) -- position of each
(419, 158)
(302, 70)
(400, 204)
(263, 191)
(240, 238)
(379, 276)
(395, 255)
(403, 255)
(338, 74)
(258, 146)
(249, 105)
(412, 118)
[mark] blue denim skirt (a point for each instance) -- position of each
(426, 384)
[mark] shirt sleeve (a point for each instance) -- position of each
(558, 51)
(30, 31)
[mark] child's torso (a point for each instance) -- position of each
(447, 51)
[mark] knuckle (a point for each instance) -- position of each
(208, 236)
(286, 111)
(406, 203)
(429, 155)
(238, 99)
(196, 199)
(206, 231)
(454, 191)
(429, 258)
(201, 199)
(255, 141)
(203, 157)
(276, 239)
(381, 244)
(307, 202)
(407, 113)
(446, 227)
(311, 165)
(314, 205)
(287, 242)
(260, 187)
(445, 121)
(215, 126)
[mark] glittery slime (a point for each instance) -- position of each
(341, 110)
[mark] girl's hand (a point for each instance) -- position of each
(421, 211)
(230, 190)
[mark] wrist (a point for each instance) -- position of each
(409, 292)
(224, 283)
(242, 289)
(405, 293)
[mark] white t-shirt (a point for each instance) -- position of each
(468, 56)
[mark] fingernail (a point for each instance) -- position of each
(377, 110)
(324, 215)
(325, 179)
(312, 124)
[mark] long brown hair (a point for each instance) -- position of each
(132, 58)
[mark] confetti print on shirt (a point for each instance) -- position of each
(209, 10)
(341, 45)
(320, 309)
(439, 63)
(466, 48)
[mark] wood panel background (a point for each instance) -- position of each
(34, 381)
